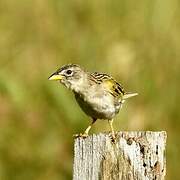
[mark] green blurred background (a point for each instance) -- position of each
(136, 42)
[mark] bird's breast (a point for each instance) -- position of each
(98, 105)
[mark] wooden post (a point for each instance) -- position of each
(134, 156)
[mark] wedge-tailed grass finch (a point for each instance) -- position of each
(98, 94)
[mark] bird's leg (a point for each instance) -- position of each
(85, 134)
(112, 129)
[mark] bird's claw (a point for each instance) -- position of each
(113, 137)
(84, 135)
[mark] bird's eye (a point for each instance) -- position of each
(69, 72)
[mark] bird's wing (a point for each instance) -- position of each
(114, 88)
(111, 85)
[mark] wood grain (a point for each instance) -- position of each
(134, 156)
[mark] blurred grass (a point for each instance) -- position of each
(138, 43)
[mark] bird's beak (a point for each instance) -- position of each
(55, 77)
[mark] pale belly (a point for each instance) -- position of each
(104, 107)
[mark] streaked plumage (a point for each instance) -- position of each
(98, 94)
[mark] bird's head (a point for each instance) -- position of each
(71, 75)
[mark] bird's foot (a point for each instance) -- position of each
(84, 135)
(113, 137)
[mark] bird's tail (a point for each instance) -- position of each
(129, 95)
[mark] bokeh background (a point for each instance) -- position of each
(136, 42)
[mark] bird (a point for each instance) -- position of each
(99, 95)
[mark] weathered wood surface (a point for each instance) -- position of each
(134, 156)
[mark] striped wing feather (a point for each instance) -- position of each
(109, 83)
